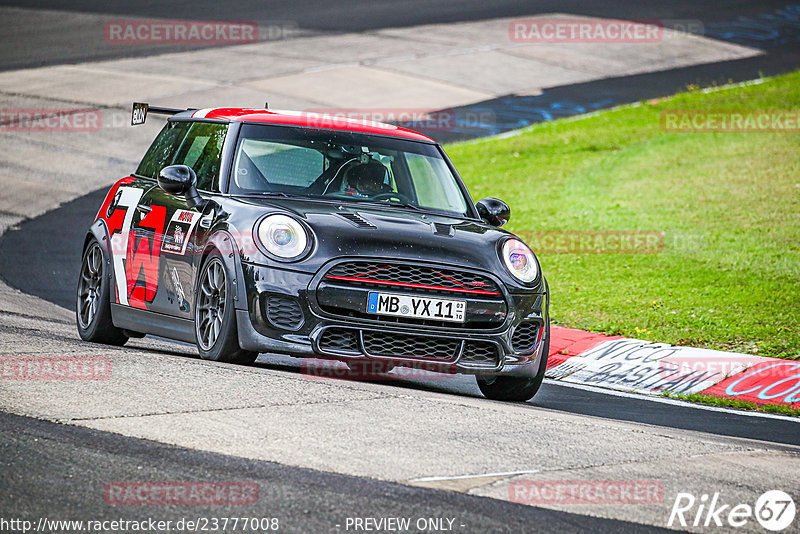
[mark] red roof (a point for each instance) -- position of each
(310, 120)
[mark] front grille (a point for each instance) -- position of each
(413, 277)
(407, 346)
(479, 353)
(284, 312)
(339, 339)
(525, 336)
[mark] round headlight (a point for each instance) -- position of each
(519, 260)
(283, 236)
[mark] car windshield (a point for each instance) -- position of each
(316, 163)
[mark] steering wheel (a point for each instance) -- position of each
(386, 196)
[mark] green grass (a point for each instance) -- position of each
(783, 409)
(728, 203)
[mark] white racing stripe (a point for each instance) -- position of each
(129, 199)
(201, 113)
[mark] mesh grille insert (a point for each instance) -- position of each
(408, 346)
(284, 312)
(339, 339)
(524, 338)
(479, 353)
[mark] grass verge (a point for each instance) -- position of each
(724, 402)
(728, 204)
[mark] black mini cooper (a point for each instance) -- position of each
(248, 231)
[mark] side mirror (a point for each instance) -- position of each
(180, 180)
(494, 211)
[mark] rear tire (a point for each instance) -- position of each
(215, 315)
(93, 303)
(515, 388)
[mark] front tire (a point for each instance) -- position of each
(515, 388)
(93, 304)
(215, 315)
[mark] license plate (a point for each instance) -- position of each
(416, 307)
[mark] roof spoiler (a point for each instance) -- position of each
(141, 109)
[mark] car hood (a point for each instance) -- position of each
(370, 231)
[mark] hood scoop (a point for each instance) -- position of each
(443, 229)
(357, 220)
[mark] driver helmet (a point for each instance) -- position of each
(367, 179)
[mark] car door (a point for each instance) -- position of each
(134, 226)
(178, 236)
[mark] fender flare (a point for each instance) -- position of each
(225, 244)
(99, 231)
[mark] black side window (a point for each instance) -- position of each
(201, 150)
(161, 152)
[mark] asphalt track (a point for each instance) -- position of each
(33, 38)
(303, 500)
(55, 470)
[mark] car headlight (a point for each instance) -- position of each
(283, 236)
(519, 260)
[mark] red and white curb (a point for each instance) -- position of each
(639, 366)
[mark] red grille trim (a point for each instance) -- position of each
(406, 284)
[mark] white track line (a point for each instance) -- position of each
(675, 402)
(463, 477)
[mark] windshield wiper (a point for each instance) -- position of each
(396, 203)
(259, 194)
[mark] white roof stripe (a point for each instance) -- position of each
(201, 113)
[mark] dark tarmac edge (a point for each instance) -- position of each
(53, 470)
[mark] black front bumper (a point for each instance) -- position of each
(308, 315)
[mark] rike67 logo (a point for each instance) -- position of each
(774, 510)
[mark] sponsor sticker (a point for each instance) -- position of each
(139, 113)
(179, 229)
